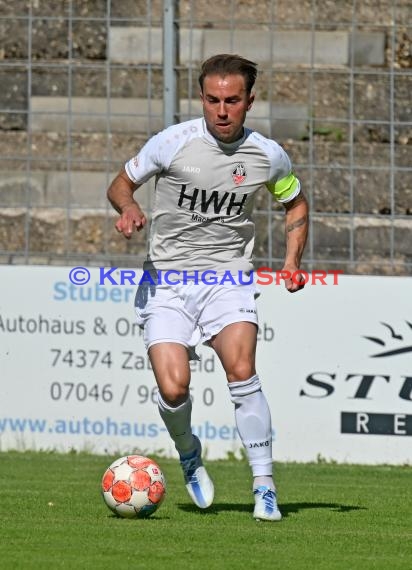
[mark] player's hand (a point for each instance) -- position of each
(131, 219)
(294, 280)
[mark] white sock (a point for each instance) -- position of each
(254, 425)
(264, 481)
(178, 423)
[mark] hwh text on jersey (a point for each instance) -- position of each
(229, 200)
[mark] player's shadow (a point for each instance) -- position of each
(215, 509)
(294, 508)
(285, 508)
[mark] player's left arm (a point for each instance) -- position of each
(296, 229)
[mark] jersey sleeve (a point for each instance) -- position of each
(158, 153)
(147, 162)
(283, 184)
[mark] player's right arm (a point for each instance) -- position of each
(120, 195)
(154, 157)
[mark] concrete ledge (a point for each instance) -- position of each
(369, 48)
(141, 45)
(144, 45)
(291, 47)
(94, 114)
(55, 189)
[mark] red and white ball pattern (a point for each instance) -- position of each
(133, 486)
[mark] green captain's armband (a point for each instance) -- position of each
(283, 188)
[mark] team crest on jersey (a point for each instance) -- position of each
(239, 173)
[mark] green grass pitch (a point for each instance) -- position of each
(52, 516)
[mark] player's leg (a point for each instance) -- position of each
(172, 372)
(235, 346)
(170, 364)
(167, 328)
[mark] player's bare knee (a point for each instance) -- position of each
(174, 395)
(240, 371)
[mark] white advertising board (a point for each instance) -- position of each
(335, 361)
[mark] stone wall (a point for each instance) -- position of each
(351, 147)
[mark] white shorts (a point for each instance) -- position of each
(191, 313)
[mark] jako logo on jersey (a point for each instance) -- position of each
(194, 169)
(213, 201)
(239, 174)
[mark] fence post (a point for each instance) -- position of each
(170, 62)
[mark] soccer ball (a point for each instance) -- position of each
(133, 486)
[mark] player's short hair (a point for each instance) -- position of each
(229, 64)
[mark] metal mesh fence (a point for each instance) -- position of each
(84, 84)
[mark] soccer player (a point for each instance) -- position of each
(208, 171)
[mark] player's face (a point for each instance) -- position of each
(225, 104)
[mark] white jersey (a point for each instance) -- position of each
(202, 211)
